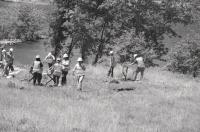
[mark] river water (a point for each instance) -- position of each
(25, 52)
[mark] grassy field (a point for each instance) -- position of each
(162, 102)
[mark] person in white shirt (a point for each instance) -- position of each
(139, 60)
(65, 68)
(79, 72)
(50, 59)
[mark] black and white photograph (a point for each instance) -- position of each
(99, 65)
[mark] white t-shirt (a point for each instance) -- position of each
(140, 61)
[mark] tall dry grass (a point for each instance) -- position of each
(162, 102)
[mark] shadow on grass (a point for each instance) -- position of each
(125, 89)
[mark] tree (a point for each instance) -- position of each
(58, 31)
(28, 22)
(94, 25)
(184, 58)
(154, 20)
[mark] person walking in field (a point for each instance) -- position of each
(65, 68)
(139, 60)
(10, 54)
(50, 59)
(37, 70)
(112, 64)
(57, 72)
(79, 72)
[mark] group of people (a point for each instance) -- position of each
(7, 58)
(138, 59)
(59, 68)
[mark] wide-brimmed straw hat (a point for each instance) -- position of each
(11, 50)
(111, 52)
(79, 59)
(135, 55)
(65, 56)
(37, 56)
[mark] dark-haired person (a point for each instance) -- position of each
(139, 60)
(112, 64)
(37, 70)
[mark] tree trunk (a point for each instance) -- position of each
(70, 48)
(100, 47)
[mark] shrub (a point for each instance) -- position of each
(185, 57)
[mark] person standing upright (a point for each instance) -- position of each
(9, 62)
(65, 68)
(50, 59)
(112, 64)
(139, 60)
(57, 68)
(11, 59)
(37, 70)
(79, 72)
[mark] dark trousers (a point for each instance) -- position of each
(139, 70)
(50, 64)
(56, 80)
(64, 77)
(111, 71)
(7, 68)
(37, 77)
(11, 67)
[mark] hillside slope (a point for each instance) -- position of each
(162, 102)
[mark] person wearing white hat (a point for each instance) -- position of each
(139, 60)
(112, 64)
(79, 72)
(50, 59)
(57, 72)
(65, 68)
(37, 70)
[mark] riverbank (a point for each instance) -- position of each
(40, 2)
(162, 102)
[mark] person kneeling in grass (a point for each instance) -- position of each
(79, 72)
(57, 68)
